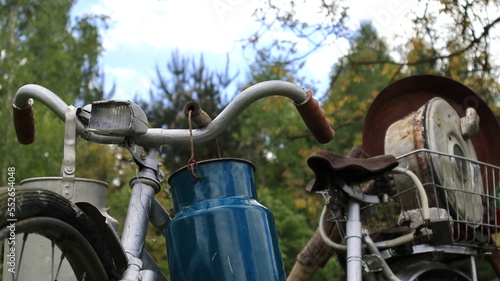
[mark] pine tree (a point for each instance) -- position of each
(184, 80)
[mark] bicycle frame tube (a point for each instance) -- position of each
(354, 243)
(137, 219)
(143, 207)
(135, 227)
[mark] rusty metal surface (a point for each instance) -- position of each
(437, 126)
(403, 136)
(407, 95)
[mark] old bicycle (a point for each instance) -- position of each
(414, 226)
(220, 231)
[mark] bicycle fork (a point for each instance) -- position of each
(143, 208)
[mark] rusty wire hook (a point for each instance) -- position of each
(192, 165)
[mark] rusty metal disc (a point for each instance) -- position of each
(407, 95)
(464, 184)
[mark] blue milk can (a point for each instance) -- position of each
(220, 232)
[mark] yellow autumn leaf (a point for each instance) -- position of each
(300, 203)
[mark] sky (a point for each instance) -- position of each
(142, 35)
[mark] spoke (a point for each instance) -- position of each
(60, 264)
(25, 238)
(52, 267)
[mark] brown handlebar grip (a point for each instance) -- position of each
(315, 119)
(24, 123)
(199, 117)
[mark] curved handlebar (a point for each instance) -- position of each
(232, 110)
(24, 99)
(23, 114)
(313, 115)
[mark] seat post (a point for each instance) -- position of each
(354, 242)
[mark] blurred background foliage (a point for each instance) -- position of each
(35, 47)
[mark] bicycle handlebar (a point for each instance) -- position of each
(24, 122)
(24, 118)
(308, 107)
(315, 118)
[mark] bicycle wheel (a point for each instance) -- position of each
(50, 238)
(431, 271)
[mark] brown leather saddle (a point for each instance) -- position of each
(327, 165)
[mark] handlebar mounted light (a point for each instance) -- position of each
(117, 118)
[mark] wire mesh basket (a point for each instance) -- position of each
(464, 201)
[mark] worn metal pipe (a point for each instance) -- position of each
(354, 242)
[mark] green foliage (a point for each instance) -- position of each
(289, 223)
(456, 67)
(40, 44)
(273, 136)
(272, 132)
(354, 85)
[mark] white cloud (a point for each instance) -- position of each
(388, 17)
(143, 33)
(129, 81)
(320, 63)
(190, 24)
(121, 72)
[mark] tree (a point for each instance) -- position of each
(460, 50)
(311, 32)
(40, 44)
(273, 136)
(448, 29)
(353, 86)
(276, 132)
(469, 36)
(187, 80)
